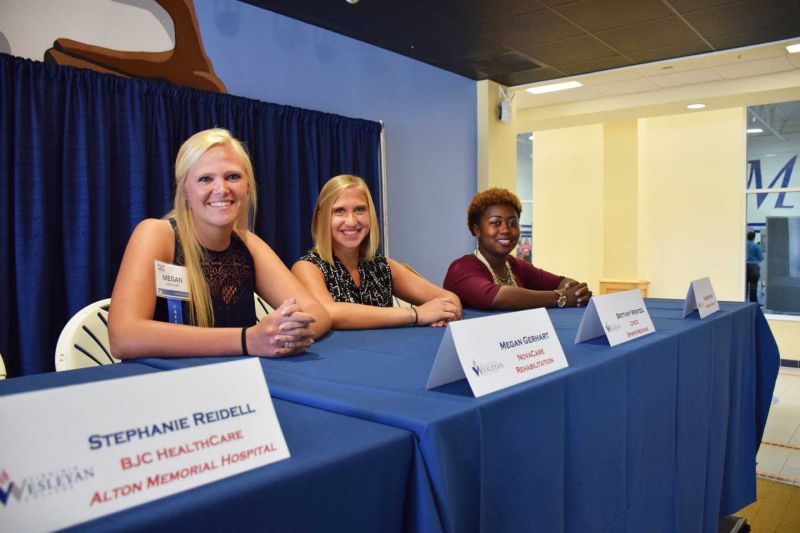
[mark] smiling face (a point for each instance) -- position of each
(350, 221)
(497, 231)
(216, 188)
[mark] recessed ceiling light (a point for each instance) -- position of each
(554, 87)
(755, 130)
(696, 106)
(793, 48)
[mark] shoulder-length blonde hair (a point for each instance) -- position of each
(200, 309)
(321, 222)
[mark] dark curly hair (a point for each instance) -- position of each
(484, 199)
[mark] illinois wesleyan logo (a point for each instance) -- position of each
(41, 485)
(7, 488)
(486, 369)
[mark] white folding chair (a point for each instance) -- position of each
(262, 307)
(3, 373)
(84, 340)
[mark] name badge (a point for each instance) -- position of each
(171, 281)
(495, 352)
(701, 297)
(621, 317)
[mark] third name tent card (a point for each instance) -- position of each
(700, 296)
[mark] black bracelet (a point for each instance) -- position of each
(416, 316)
(244, 341)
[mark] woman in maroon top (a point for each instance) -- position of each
(490, 278)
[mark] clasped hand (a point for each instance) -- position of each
(578, 294)
(438, 312)
(286, 331)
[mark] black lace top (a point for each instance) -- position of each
(230, 275)
(376, 280)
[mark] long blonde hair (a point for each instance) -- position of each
(321, 222)
(200, 309)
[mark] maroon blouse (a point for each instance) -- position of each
(469, 278)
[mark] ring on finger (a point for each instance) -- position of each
(287, 345)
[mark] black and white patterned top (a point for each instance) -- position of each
(376, 280)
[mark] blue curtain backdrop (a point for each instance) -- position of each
(86, 156)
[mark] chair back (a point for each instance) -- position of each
(397, 301)
(262, 307)
(84, 340)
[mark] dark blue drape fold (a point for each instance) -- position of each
(86, 156)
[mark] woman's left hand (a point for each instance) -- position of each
(459, 309)
(578, 294)
(284, 332)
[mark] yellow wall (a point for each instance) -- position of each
(787, 335)
(661, 200)
(691, 202)
(621, 225)
(568, 202)
(497, 141)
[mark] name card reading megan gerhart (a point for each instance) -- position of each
(498, 351)
(76, 453)
(620, 316)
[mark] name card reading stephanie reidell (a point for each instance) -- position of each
(498, 351)
(620, 316)
(71, 454)
(700, 296)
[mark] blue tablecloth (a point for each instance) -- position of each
(658, 434)
(344, 474)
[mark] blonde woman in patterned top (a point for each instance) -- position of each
(354, 282)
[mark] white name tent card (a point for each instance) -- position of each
(75, 453)
(620, 316)
(498, 351)
(700, 296)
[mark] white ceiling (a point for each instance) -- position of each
(726, 65)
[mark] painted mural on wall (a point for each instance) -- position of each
(183, 63)
(773, 217)
(774, 173)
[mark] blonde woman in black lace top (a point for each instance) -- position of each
(354, 282)
(207, 233)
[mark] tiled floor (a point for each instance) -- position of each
(777, 509)
(778, 490)
(779, 456)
